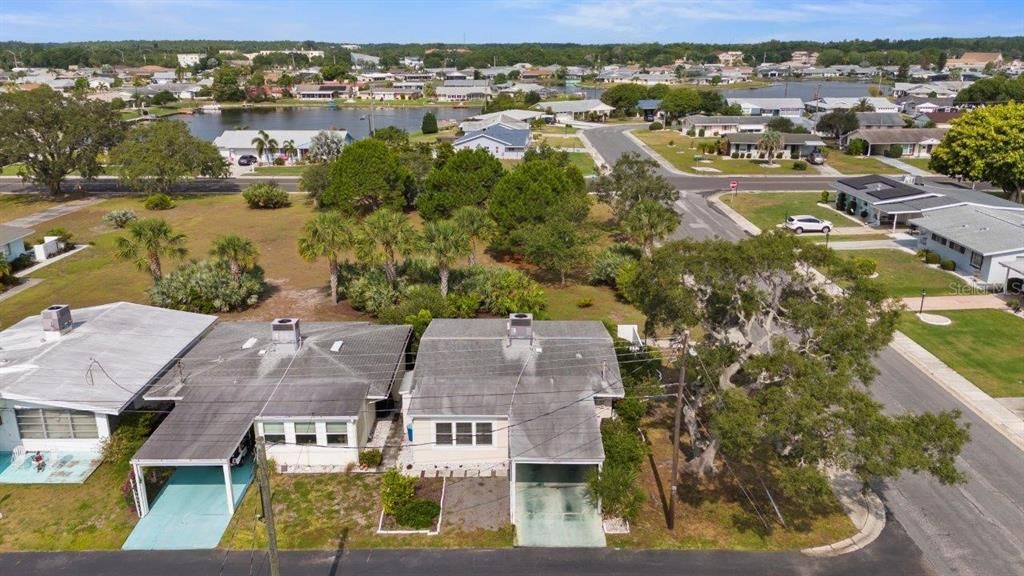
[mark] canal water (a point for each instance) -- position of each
(355, 120)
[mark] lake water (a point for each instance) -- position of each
(355, 120)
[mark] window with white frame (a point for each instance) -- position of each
(976, 260)
(337, 433)
(37, 424)
(305, 433)
(463, 433)
(273, 432)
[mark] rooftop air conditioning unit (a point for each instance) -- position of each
(285, 333)
(520, 326)
(56, 320)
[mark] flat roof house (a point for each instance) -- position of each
(828, 104)
(978, 239)
(798, 145)
(721, 125)
(565, 111)
(12, 241)
(914, 142)
(769, 106)
(462, 93)
(500, 140)
(884, 201)
(515, 396)
(233, 144)
(66, 376)
(310, 389)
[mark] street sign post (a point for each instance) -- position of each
(734, 186)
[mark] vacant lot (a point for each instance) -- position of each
(681, 150)
(333, 511)
(905, 275)
(984, 346)
(858, 164)
(766, 210)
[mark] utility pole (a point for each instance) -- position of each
(263, 477)
(675, 431)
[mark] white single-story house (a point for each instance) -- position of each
(888, 201)
(721, 125)
(501, 141)
(234, 144)
(513, 397)
(915, 142)
(66, 376)
(790, 107)
(793, 145)
(830, 103)
(462, 93)
(565, 111)
(498, 119)
(978, 239)
(12, 241)
(310, 390)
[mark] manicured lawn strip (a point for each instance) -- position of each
(858, 164)
(562, 304)
(280, 170)
(766, 210)
(561, 141)
(984, 346)
(583, 161)
(715, 515)
(555, 130)
(921, 163)
(11, 170)
(905, 275)
(14, 206)
(683, 149)
(336, 511)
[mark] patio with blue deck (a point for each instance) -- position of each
(190, 512)
(60, 468)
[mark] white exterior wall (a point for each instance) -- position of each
(318, 458)
(13, 249)
(428, 456)
(496, 149)
(10, 438)
(990, 272)
(993, 273)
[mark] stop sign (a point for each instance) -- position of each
(733, 185)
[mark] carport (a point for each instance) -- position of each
(551, 507)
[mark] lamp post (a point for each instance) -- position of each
(827, 234)
(920, 309)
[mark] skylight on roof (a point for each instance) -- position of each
(336, 347)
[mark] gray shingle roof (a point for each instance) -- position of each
(882, 136)
(983, 230)
(700, 120)
(515, 137)
(236, 374)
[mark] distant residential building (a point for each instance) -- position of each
(648, 108)
(234, 144)
(914, 142)
(722, 125)
(510, 118)
(387, 94)
(789, 107)
(803, 58)
(188, 60)
(793, 145)
(732, 58)
(975, 60)
(462, 93)
(464, 82)
(411, 62)
(326, 91)
(828, 104)
(566, 111)
(364, 59)
(502, 142)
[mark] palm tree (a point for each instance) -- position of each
(264, 144)
(384, 235)
(238, 253)
(148, 240)
(649, 222)
(477, 225)
(863, 106)
(289, 149)
(445, 241)
(327, 235)
(769, 142)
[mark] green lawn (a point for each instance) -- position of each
(561, 142)
(14, 206)
(905, 275)
(11, 170)
(555, 130)
(680, 151)
(766, 210)
(984, 346)
(562, 304)
(858, 164)
(921, 163)
(583, 161)
(279, 170)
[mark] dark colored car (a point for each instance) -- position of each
(247, 160)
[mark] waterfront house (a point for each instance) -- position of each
(462, 93)
(828, 104)
(769, 106)
(233, 144)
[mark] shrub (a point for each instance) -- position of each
(279, 161)
(610, 261)
(429, 123)
(158, 202)
(396, 490)
(207, 287)
(415, 298)
(370, 458)
(894, 151)
(948, 265)
(371, 293)
(266, 195)
(863, 266)
(932, 258)
(856, 147)
(585, 302)
(800, 165)
(119, 218)
(735, 155)
(503, 291)
(824, 197)
(691, 132)
(63, 236)
(129, 436)
(700, 133)
(419, 514)
(631, 410)
(671, 142)
(655, 126)
(840, 201)
(794, 156)
(778, 156)
(617, 489)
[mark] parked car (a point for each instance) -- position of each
(247, 160)
(816, 158)
(804, 223)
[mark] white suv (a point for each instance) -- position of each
(804, 223)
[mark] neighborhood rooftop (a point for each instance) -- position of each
(102, 362)
(984, 230)
(574, 106)
(514, 137)
(10, 233)
(897, 197)
(243, 138)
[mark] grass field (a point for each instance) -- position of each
(335, 511)
(906, 275)
(14, 206)
(858, 164)
(11, 170)
(921, 163)
(766, 210)
(555, 130)
(583, 161)
(279, 170)
(983, 346)
(682, 150)
(561, 141)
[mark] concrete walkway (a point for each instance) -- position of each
(49, 261)
(11, 292)
(864, 245)
(957, 302)
(828, 170)
(909, 169)
(1001, 418)
(51, 213)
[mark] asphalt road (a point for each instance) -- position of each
(976, 529)
(892, 554)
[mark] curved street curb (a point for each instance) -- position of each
(866, 511)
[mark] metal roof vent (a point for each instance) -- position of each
(286, 334)
(520, 326)
(56, 320)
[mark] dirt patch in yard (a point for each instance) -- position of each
(476, 503)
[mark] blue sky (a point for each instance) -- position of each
(455, 21)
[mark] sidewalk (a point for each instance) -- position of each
(957, 302)
(865, 510)
(51, 213)
(896, 163)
